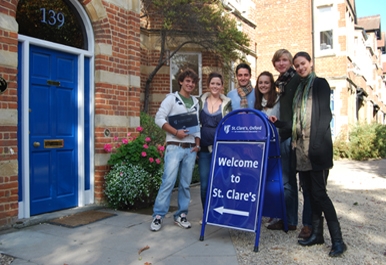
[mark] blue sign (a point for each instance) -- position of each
(246, 157)
(235, 188)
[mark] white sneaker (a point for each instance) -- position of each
(156, 224)
(182, 221)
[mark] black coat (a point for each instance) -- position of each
(320, 150)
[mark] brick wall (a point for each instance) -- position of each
(115, 95)
(283, 24)
(8, 116)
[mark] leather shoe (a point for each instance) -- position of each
(279, 225)
(305, 232)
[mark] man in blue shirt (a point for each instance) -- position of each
(244, 96)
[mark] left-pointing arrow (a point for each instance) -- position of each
(222, 210)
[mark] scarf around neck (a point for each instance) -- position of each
(283, 80)
(243, 93)
(300, 98)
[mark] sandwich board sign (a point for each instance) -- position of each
(245, 148)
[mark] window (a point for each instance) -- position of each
(55, 21)
(324, 25)
(181, 61)
(326, 40)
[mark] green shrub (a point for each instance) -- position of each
(135, 176)
(151, 129)
(366, 141)
(140, 150)
(131, 187)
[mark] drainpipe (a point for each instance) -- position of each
(313, 33)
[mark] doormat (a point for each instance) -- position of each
(80, 219)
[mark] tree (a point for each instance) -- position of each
(203, 23)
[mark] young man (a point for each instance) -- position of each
(287, 84)
(181, 150)
(244, 95)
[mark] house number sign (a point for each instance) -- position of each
(52, 18)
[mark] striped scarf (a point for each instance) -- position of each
(283, 80)
(300, 98)
(243, 93)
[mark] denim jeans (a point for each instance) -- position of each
(288, 164)
(307, 209)
(204, 159)
(176, 160)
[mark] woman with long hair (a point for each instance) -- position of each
(312, 141)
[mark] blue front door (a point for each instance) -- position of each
(53, 130)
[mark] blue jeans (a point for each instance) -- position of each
(176, 160)
(204, 159)
(288, 164)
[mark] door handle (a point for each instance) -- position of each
(36, 144)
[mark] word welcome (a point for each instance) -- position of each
(225, 161)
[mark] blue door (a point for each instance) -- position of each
(53, 130)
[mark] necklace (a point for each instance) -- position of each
(214, 104)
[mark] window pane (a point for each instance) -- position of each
(179, 63)
(326, 40)
(51, 20)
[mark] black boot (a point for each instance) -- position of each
(317, 233)
(338, 246)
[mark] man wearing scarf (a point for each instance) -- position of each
(287, 84)
(244, 96)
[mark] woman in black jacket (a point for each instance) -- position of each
(311, 138)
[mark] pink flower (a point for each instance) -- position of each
(121, 174)
(130, 139)
(115, 138)
(158, 161)
(128, 134)
(147, 139)
(143, 154)
(125, 141)
(108, 148)
(139, 129)
(145, 146)
(161, 148)
(151, 160)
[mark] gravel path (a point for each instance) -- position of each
(358, 191)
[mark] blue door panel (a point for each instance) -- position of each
(40, 176)
(40, 96)
(53, 130)
(65, 169)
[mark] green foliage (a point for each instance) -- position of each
(202, 24)
(366, 141)
(139, 151)
(129, 186)
(152, 130)
(137, 166)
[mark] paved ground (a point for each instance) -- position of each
(117, 240)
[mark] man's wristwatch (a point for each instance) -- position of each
(198, 147)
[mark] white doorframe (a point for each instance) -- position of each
(84, 197)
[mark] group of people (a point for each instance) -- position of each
(297, 103)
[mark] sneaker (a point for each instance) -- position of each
(156, 224)
(182, 221)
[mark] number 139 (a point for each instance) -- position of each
(52, 18)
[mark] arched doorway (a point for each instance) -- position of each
(55, 106)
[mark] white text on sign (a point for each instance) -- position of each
(224, 161)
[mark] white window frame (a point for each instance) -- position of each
(324, 22)
(175, 68)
